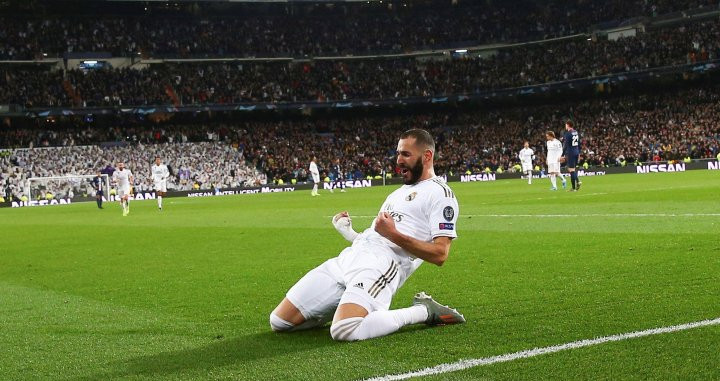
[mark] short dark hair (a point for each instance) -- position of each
(569, 123)
(422, 138)
(550, 134)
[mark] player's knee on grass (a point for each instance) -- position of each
(278, 324)
(344, 330)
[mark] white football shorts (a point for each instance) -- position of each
(365, 277)
(161, 186)
(123, 191)
(526, 167)
(554, 167)
(316, 179)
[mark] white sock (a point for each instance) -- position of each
(562, 177)
(529, 175)
(281, 325)
(553, 181)
(315, 188)
(159, 201)
(377, 323)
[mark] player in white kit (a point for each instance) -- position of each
(526, 156)
(315, 177)
(160, 175)
(416, 224)
(123, 178)
(554, 151)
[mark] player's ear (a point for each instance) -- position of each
(428, 155)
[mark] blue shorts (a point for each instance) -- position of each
(99, 193)
(572, 160)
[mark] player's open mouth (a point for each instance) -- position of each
(404, 171)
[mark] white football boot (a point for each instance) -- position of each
(437, 313)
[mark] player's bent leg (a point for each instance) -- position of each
(363, 312)
(376, 323)
(312, 301)
(285, 317)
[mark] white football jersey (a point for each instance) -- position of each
(424, 211)
(526, 155)
(122, 178)
(314, 169)
(554, 151)
(160, 172)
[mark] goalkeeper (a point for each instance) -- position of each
(416, 224)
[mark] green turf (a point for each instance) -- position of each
(185, 293)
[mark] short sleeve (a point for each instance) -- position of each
(443, 214)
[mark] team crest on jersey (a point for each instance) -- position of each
(448, 213)
(411, 196)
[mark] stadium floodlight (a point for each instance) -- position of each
(64, 186)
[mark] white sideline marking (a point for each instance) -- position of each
(581, 215)
(472, 363)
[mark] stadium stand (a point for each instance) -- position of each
(626, 129)
(338, 80)
(296, 31)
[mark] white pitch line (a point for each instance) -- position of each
(472, 363)
(581, 215)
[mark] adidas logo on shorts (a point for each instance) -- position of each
(359, 285)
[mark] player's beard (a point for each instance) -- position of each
(415, 172)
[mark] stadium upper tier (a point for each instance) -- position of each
(336, 80)
(646, 128)
(264, 30)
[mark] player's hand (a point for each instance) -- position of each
(385, 225)
(341, 215)
(343, 224)
(562, 159)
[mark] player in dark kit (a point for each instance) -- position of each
(339, 177)
(571, 154)
(97, 182)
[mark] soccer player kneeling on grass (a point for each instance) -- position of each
(416, 224)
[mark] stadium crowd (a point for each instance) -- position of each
(339, 30)
(212, 83)
(194, 166)
(613, 132)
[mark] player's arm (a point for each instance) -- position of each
(435, 252)
(343, 224)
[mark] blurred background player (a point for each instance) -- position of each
(339, 178)
(123, 178)
(97, 183)
(554, 151)
(571, 153)
(315, 176)
(526, 156)
(160, 175)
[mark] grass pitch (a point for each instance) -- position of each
(185, 293)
